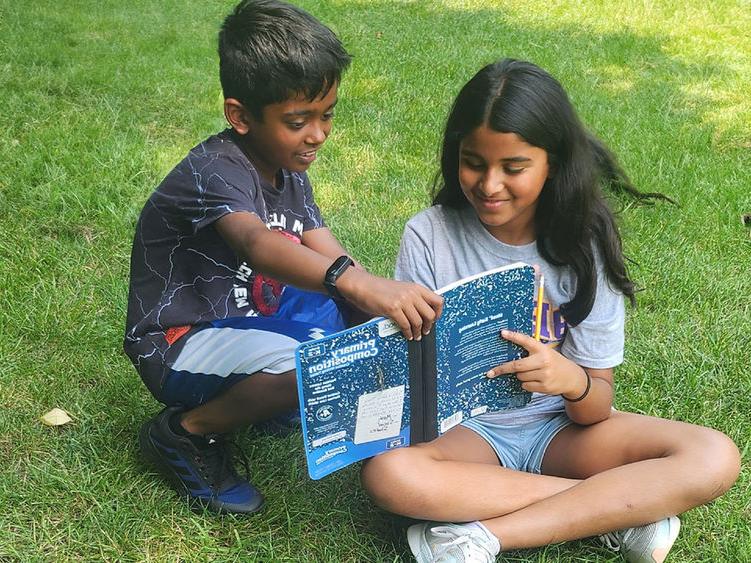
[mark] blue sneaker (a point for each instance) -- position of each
(200, 469)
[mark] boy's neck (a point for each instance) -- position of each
(276, 180)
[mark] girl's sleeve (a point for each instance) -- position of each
(598, 341)
(415, 261)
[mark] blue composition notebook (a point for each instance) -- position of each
(367, 389)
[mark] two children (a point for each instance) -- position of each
(211, 327)
(520, 182)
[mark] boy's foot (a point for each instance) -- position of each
(645, 544)
(199, 467)
(449, 543)
(281, 425)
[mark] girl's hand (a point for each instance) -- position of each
(544, 370)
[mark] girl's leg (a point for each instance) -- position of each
(635, 470)
(456, 477)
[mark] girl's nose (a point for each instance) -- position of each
(491, 183)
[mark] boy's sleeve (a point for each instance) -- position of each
(312, 217)
(200, 191)
(415, 261)
(598, 341)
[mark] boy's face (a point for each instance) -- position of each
(290, 133)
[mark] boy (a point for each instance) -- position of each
(211, 327)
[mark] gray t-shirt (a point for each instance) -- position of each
(441, 245)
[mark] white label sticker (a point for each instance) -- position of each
(379, 415)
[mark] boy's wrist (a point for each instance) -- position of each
(348, 282)
(333, 273)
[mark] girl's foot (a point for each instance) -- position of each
(452, 543)
(645, 544)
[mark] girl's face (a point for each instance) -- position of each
(502, 176)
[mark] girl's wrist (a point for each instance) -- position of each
(582, 393)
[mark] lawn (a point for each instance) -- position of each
(99, 99)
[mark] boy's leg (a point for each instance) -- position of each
(228, 374)
(257, 398)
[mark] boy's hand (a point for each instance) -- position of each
(544, 370)
(411, 306)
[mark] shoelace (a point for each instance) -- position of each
(469, 549)
(611, 541)
(217, 458)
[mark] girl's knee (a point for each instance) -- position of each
(717, 465)
(393, 479)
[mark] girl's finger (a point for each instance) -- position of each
(526, 342)
(522, 365)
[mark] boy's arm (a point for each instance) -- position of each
(413, 307)
(324, 242)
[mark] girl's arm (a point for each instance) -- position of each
(588, 392)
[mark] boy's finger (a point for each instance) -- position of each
(434, 300)
(415, 321)
(428, 316)
(404, 325)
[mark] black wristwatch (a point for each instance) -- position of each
(336, 269)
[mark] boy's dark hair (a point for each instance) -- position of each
(572, 215)
(271, 51)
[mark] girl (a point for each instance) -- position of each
(520, 182)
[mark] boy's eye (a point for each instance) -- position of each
(296, 124)
(328, 116)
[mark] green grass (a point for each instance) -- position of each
(98, 100)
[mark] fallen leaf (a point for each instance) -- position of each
(56, 417)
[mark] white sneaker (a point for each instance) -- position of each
(645, 544)
(434, 542)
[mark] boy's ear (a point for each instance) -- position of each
(236, 115)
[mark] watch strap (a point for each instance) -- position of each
(336, 269)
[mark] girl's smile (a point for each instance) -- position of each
(502, 176)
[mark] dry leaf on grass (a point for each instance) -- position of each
(56, 417)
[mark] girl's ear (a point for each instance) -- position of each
(236, 115)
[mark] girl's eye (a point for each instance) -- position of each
(514, 170)
(472, 164)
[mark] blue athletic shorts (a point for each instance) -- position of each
(521, 446)
(217, 355)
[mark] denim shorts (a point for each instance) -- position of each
(521, 446)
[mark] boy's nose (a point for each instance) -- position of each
(318, 135)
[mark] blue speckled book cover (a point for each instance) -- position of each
(355, 387)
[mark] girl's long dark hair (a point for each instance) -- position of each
(513, 96)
